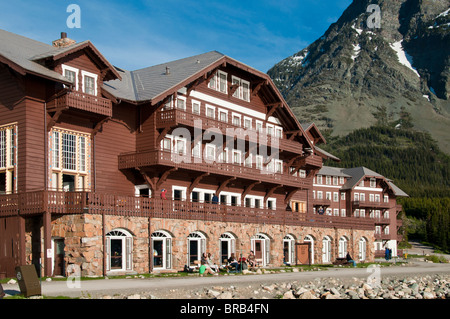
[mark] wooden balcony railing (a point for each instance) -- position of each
(321, 202)
(82, 101)
(175, 117)
(34, 203)
(165, 158)
(360, 203)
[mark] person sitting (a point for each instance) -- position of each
(232, 262)
(204, 267)
(211, 263)
(350, 259)
(251, 260)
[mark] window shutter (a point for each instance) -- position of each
(108, 253)
(292, 246)
(267, 246)
(168, 253)
(233, 246)
(129, 253)
(203, 247)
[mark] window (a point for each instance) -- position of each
(342, 196)
(210, 112)
(259, 162)
(119, 250)
(227, 246)
(341, 180)
(328, 180)
(243, 89)
(386, 198)
(259, 126)
(343, 212)
(196, 107)
(319, 195)
(70, 164)
(269, 129)
(162, 249)
(236, 120)
(377, 198)
(298, 206)
(219, 82)
(89, 82)
(319, 179)
(71, 74)
(328, 195)
(335, 197)
(181, 103)
(8, 140)
(335, 180)
(373, 182)
(167, 144)
(196, 247)
(236, 157)
(279, 166)
(247, 123)
(223, 116)
(210, 152)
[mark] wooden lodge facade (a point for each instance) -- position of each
(120, 171)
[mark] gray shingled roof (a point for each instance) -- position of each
(21, 52)
(147, 83)
(358, 173)
(332, 171)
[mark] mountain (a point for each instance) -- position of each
(382, 61)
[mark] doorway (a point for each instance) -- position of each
(59, 268)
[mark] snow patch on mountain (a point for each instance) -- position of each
(403, 57)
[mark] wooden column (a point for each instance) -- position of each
(47, 244)
(22, 249)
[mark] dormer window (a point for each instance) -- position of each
(219, 82)
(71, 74)
(243, 90)
(89, 82)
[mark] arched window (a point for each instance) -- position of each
(289, 249)
(161, 249)
(196, 247)
(343, 247)
(310, 239)
(326, 249)
(362, 248)
(119, 250)
(227, 246)
(261, 248)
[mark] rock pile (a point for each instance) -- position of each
(414, 287)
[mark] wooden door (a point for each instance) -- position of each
(303, 253)
(59, 266)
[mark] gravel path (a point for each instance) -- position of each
(415, 280)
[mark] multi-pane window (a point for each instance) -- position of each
(7, 158)
(69, 155)
(243, 89)
(89, 85)
(219, 82)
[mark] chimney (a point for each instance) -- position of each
(63, 42)
(167, 70)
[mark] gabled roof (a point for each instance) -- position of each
(23, 55)
(332, 171)
(358, 173)
(17, 52)
(147, 84)
(153, 84)
(58, 53)
(314, 131)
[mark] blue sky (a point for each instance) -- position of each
(137, 34)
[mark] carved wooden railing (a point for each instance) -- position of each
(63, 203)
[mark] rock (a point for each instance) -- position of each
(288, 295)
(135, 296)
(213, 293)
(225, 295)
(307, 295)
(428, 295)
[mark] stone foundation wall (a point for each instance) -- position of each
(83, 236)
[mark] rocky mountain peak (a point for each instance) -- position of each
(381, 60)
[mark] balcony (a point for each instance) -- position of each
(81, 101)
(175, 117)
(174, 160)
(65, 203)
(321, 202)
(368, 204)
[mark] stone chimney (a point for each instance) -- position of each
(63, 42)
